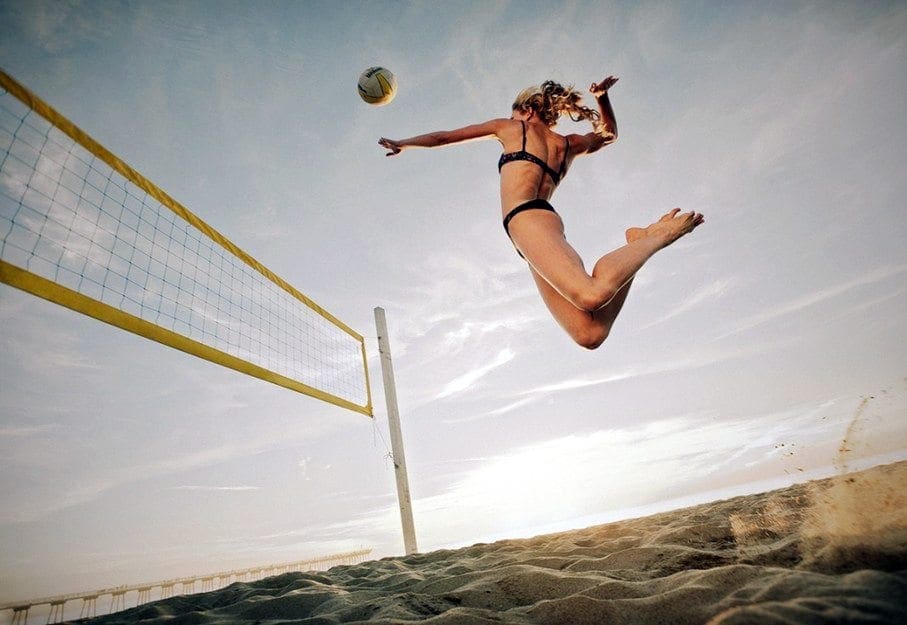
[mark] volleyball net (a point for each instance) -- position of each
(81, 228)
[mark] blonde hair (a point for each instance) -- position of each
(550, 100)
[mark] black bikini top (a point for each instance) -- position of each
(523, 155)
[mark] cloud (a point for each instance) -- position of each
(91, 487)
(41, 341)
(217, 488)
(861, 307)
(653, 27)
(468, 289)
(460, 384)
(472, 331)
(706, 294)
(811, 299)
(13, 431)
(496, 412)
(702, 358)
(59, 27)
(606, 471)
(460, 318)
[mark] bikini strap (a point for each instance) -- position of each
(566, 152)
(524, 134)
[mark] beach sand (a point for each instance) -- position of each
(830, 551)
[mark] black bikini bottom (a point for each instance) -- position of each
(536, 204)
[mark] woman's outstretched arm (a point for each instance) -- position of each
(600, 92)
(605, 132)
(440, 138)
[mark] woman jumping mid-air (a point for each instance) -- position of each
(534, 161)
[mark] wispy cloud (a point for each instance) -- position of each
(91, 487)
(496, 412)
(561, 478)
(705, 356)
(58, 28)
(13, 431)
(503, 495)
(707, 293)
(863, 306)
(460, 384)
(811, 299)
(477, 330)
(49, 348)
(215, 489)
(701, 358)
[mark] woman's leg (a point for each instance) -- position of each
(586, 306)
(588, 329)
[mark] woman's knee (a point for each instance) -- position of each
(592, 297)
(590, 338)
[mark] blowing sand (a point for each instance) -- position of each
(832, 551)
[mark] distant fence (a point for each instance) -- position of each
(142, 593)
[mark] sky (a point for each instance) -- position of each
(744, 355)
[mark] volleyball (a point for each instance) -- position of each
(377, 86)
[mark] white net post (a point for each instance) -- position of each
(393, 422)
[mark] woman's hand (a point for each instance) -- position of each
(394, 146)
(601, 88)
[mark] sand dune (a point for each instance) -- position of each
(832, 551)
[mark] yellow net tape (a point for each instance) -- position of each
(81, 228)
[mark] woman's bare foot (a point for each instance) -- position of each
(669, 228)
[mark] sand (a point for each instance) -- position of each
(832, 551)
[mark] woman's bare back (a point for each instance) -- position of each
(523, 180)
